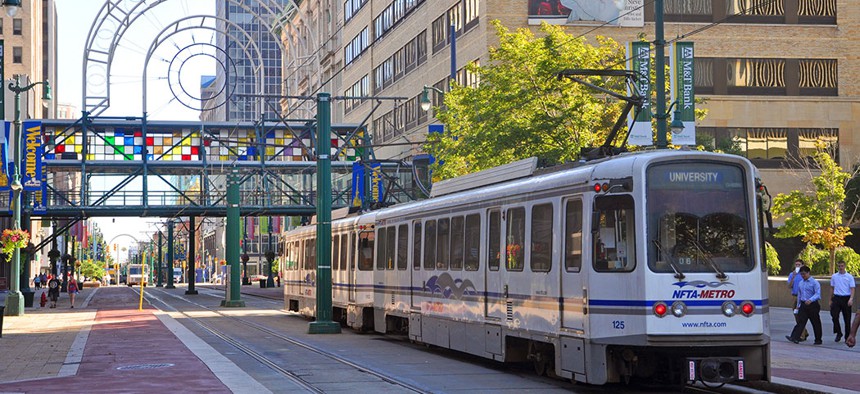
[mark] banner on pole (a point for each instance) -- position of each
(639, 127)
(357, 183)
(5, 179)
(683, 78)
(31, 176)
(377, 194)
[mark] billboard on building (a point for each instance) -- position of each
(625, 13)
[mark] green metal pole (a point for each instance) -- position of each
(323, 323)
(232, 298)
(170, 246)
(160, 260)
(15, 300)
(660, 65)
(191, 258)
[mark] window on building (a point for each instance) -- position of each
(818, 12)
(17, 26)
(771, 147)
(17, 55)
(766, 77)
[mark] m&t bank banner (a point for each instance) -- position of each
(640, 132)
(32, 149)
(683, 78)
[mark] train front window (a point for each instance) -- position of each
(697, 218)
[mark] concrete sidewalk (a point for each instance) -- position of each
(105, 344)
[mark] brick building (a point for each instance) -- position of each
(777, 76)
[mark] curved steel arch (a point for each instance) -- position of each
(116, 17)
(171, 30)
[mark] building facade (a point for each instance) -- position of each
(30, 51)
(776, 76)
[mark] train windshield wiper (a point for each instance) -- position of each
(678, 274)
(707, 257)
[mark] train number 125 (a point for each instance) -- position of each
(618, 324)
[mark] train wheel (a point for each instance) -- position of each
(542, 358)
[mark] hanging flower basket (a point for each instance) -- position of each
(13, 239)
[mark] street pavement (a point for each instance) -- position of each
(105, 344)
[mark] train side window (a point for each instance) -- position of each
(335, 251)
(573, 236)
(614, 229)
(443, 243)
(430, 245)
(457, 239)
(344, 251)
(365, 245)
(540, 258)
(390, 247)
(381, 239)
(353, 252)
(494, 231)
(473, 241)
(416, 246)
(402, 246)
(515, 237)
(294, 258)
(311, 254)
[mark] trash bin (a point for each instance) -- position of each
(2, 307)
(262, 283)
(28, 298)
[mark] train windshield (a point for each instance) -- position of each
(698, 218)
(134, 270)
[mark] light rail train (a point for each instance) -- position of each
(641, 267)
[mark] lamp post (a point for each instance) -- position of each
(15, 300)
(11, 7)
(425, 97)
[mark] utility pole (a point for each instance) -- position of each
(232, 298)
(323, 324)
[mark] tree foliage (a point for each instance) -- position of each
(93, 270)
(817, 216)
(819, 260)
(772, 256)
(522, 109)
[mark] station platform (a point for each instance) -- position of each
(105, 344)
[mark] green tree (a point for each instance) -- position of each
(522, 109)
(91, 269)
(772, 259)
(817, 216)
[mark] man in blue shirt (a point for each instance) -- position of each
(793, 284)
(808, 295)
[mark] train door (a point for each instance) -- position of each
(574, 300)
(494, 298)
(351, 269)
(416, 263)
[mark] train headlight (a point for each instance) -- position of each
(679, 309)
(660, 309)
(729, 308)
(747, 308)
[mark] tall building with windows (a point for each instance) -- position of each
(242, 66)
(776, 76)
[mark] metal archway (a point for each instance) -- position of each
(116, 17)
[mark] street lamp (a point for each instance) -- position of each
(425, 97)
(15, 300)
(11, 7)
(677, 126)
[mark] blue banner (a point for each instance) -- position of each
(377, 194)
(5, 178)
(357, 184)
(32, 150)
(40, 199)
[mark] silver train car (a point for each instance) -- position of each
(641, 267)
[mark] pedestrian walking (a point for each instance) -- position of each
(851, 338)
(73, 290)
(842, 285)
(809, 309)
(37, 282)
(43, 279)
(53, 291)
(793, 284)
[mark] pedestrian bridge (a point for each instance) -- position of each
(94, 167)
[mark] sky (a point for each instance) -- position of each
(75, 21)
